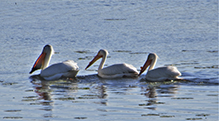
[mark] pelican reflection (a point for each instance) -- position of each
(156, 92)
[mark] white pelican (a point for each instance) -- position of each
(113, 71)
(161, 73)
(64, 69)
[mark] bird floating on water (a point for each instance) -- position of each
(67, 69)
(161, 73)
(113, 71)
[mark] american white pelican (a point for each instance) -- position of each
(161, 73)
(113, 71)
(66, 68)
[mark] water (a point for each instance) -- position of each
(183, 33)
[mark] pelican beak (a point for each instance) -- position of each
(94, 60)
(39, 62)
(147, 63)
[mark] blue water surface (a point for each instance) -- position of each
(183, 33)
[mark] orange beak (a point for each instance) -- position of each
(39, 62)
(94, 60)
(147, 63)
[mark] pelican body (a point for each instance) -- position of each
(161, 73)
(113, 71)
(68, 68)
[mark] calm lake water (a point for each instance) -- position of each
(183, 33)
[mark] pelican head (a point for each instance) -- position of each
(43, 60)
(101, 53)
(151, 60)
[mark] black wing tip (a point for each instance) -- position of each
(32, 70)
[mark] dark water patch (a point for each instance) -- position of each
(203, 114)
(61, 91)
(141, 104)
(29, 90)
(84, 88)
(150, 108)
(193, 63)
(64, 98)
(164, 95)
(180, 64)
(80, 117)
(160, 103)
(186, 63)
(212, 95)
(207, 67)
(56, 52)
(167, 116)
(48, 116)
(81, 58)
(87, 97)
(119, 92)
(189, 50)
(193, 118)
(12, 117)
(138, 52)
(166, 91)
(30, 97)
(150, 103)
(150, 114)
(46, 102)
(85, 58)
(102, 110)
(35, 103)
(78, 101)
(212, 51)
(65, 87)
(153, 102)
(182, 98)
(46, 109)
(12, 110)
(9, 83)
(93, 78)
(187, 79)
(29, 100)
(122, 51)
(114, 19)
(203, 81)
(83, 51)
(167, 82)
(167, 88)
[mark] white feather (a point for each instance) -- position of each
(64, 69)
